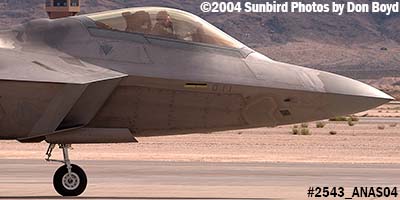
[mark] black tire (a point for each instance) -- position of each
(74, 188)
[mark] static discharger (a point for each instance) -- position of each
(62, 8)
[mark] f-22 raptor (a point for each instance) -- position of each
(112, 76)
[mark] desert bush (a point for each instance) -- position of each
(295, 131)
(345, 118)
(338, 119)
(381, 127)
(320, 124)
(304, 125)
(305, 131)
(351, 123)
(393, 125)
(333, 132)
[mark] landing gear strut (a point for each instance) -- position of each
(69, 179)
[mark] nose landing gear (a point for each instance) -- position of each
(69, 179)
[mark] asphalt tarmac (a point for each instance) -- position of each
(32, 179)
(379, 120)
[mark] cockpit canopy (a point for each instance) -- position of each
(164, 22)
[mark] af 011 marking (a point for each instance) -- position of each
(222, 88)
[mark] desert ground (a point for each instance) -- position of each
(363, 143)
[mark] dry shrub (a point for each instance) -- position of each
(351, 123)
(320, 124)
(338, 119)
(381, 127)
(305, 131)
(295, 130)
(300, 131)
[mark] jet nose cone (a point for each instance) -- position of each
(325, 93)
(351, 96)
(337, 84)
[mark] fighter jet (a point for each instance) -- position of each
(112, 76)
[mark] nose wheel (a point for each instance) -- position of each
(69, 179)
(70, 183)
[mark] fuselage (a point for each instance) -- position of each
(171, 86)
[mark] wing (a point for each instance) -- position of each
(44, 93)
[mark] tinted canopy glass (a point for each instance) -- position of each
(164, 22)
(60, 3)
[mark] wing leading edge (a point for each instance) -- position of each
(52, 68)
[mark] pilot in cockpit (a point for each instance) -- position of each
(164, 26)
(138, 22)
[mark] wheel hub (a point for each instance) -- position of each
(71, 181)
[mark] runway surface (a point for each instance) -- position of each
(379, 120)
(32, 179)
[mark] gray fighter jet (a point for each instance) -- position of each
(149, 71)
